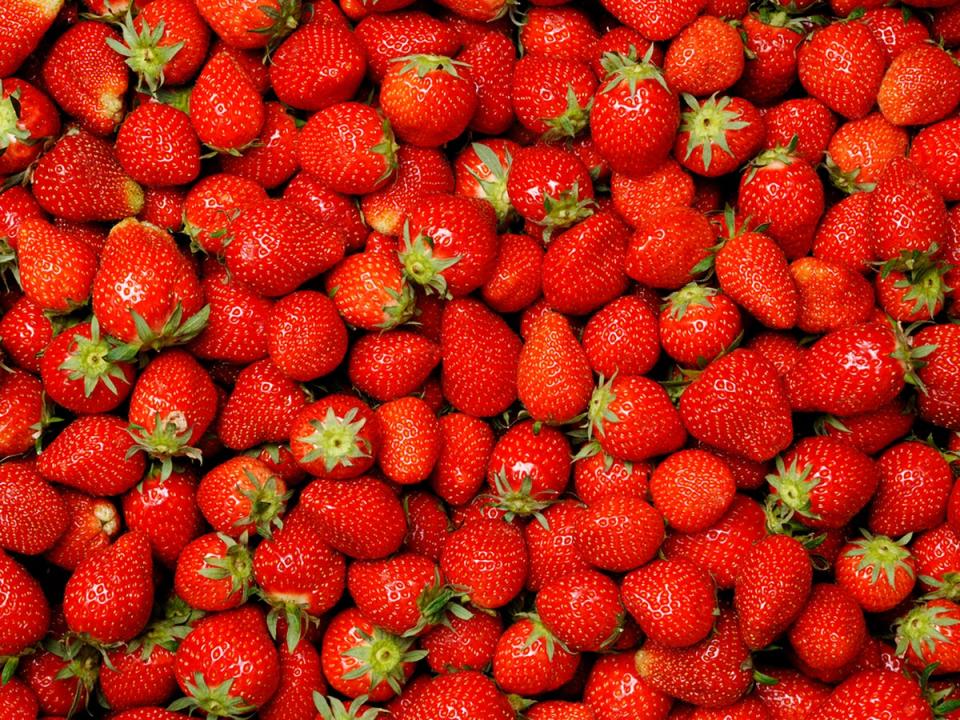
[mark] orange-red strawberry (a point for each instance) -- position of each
(244, 24)
(328, 206)
(22, 26)
(157, 146)
(552, 96)
(921, 86)
(463, 644)
(110, 594)
(869, 692)
(553, 552)
(87, 77)
(831, 296)
(213, 573)
(337, 437)
(166, 512)
(692, 489)
(139, 676)
(80, 180)
(771, 38)
(842, 65)
(619, 533)
(393, 35)
(626, 41)
(305, 336)
(667, 249)
(261, 408)
(932, 151)
(23, 411)
(706, 57)
(907, 212)
(56, 270)
(861, 149)
(466, 561)
(878, 571)
(717, 135)
(472, 691)
(697, 324)
(870, 432)
(621, 337)
(403, 594)
(599, 475)
(655, 19)
(27, 118)
(212, 205)
(615, 689)
(32, 515)
(830, 630)
(225, 108)
(639, 199)
(242, 495)
(420, 171)
(410, 440)
(528, 659)
(673, 601)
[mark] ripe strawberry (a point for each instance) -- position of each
(319, 65)
(549, 187)
(895, 31)
(32, 515)
(861, 150)
(771, 38)
(392, 364)
(831, 296)
(306, 337)
(939, 403)
(465, 562)
(93, 524)
(830, 629)
(25, 615)
(870, 432)
(706, 57)
(410, 440)
(474, 695)
(692, 489)
(212, 205)
(914, 489)
(227, 664)
(110, 594)
(357, 163)
(666, 186)
(137, 677)
(93, 454)
(241, 496)
(667, 250)
(920, 86)
(491, 56)
(327, 206)
(583, 268)
(599, 475)
(166, 512)
(261, 408)
(552, 96)
(806, 119)
(29, 119)
(337, 437)
(873, 692)
(930, 147)
(697, 324)
(157, 146)
(717, 136)
(360, 517)
(907, 213)
(712, 673)
(926, 636)
(465, 447)
(673, 601)
(879, 572)
(619, 533)
(622, 338)
(420, 171)
(529, 660)
(276, 247)
(225, 108)
(582, 610)
(23, 411)
(243, 25)
(22, 25)
(25, 331)
(56, 270)
(80, 180)
(18, 700)
(559, 710)
(614, 690)
(301, 677)
(842, 65)
(87, 77)
(564, 32)
(655, 19)
(389, 36)
(370, 291)
(59, 684)
(635, 115)
(213, 573)
(484, 384)
(793, 696)
(273, 157)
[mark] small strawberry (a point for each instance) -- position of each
(370, 291)
(166, 512)
(564, 32)
(529, 660)
(640, 199)
(599, 475)
(622, 338)
(697, 324)
(94, 522)
(465, 562)
(692, 489)
(24, 333)
(262, 407)
(491, 56)
(895, 31)
(929, 148)
(771, 37)
(878, 571)
(273, 158)
(241, 496)
(29, 119)
(213, 573)
(831, 296)
(301, 679)
(328, 206)
(706, 57)
(410, 440)
(830, 630)
(870, 432)
(474, 693)
(551, 95)
(615, 689)
(717, 135)
(619, 533)
(225, 108)
(549, 187)
(22, 411)
(212, 205)
(582, 610)
(337, 437)
(939, 403)
(669, 248)
(420, 171)
(25, 615)
(655, 19)
(56, 270)
(32, 515)
(861, 149)
(926, 636)
(466, 443)
(18, 700)
(132, 676)
(242, 25)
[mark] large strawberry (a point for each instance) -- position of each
(464, 561)
(22, 26)
(241, 496)
(32, 515)
(830, 630)
(166, 512)
(873, 693)
(261, 408)
(939, 404)
(614, 689)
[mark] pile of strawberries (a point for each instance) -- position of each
(478, 361)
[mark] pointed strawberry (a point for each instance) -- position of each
(337, 437)
(225, 108)
(25, 615)
(157, 146)
(166, 512)
(529, 660)
(830, 630)
(262, 407)
(305, 336)
(94, 523)
(22, 25)
(717, 135)
(391, 364)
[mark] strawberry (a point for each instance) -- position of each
(582, 610)
(920, 86)
(552, 548)
(236, 330)
(583, 268)
(861, 149)
(807, 119)
(410, 440)
(87, 77)
(225, 108)
(465, 447)
(389, 36)
(633, 419)
(619, 533)
(305, 336)
(673, 601)
(227, 664)
(665, 186)
(18, 700)
(842, 65)
(939, 403)
(22, 25)
(793, 696)
(895, 31)
(370, 291)
(25, 616)
(743, 526)
(831, 296)
(563, 32)
(56, 270)
(517, 278)
(276, 247)
(243, 25)
(59, 684)
(472, 694)
(110, 594)
(273, 158)
(824, 481)
(212, 205)
(551, 95)
(328, 207)
(22, 403)
(166, 512)
(262, 407)
(599, 475)
(907, 213)
(692, 489)
(93, 524)
(392, 364)
(688, 235)
(93, 454)
(299, 576)
(830, 630)
(871, 432)
(930, 147)
(704, 58)
(878, 571)
(549, 187)
(356, 163)
(319, 65)
(914, 489)
(717, 135)
(466, 562)
(529, 661)
(80, 180)
(25, 331)
(301, 677)
(139, 676)
(427, 100)
(622, 338)
(615, 690)
(241, 496)
(32, 515)
(491, 57)
(655, 19)
(872, 692)
(712, 673)
(926, 636)
(157, 146)
(485, 384)
(697, 324)
(29, 119)
(213, 573)
(771, 38)
(360, 517)
(337, 437)
(635, 115)
(420, 171)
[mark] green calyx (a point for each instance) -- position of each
(847, 182)
(793, 485)
(494, 182)
(881, 554)
(422, 267)
(294, 613)
(522, 501)
(11, 131)
(283, 21)
(598, 411)
(88, 361)
(381, 656)
(571, 121)
(331, 708)
(167, 440)
(337, 441)
(708, 124)
(267, 505)
(689, 295)
(144, 53)
(911, 358)
(627, 69)
(167, 631)
(175, 331)
(774, 158)
(236, 564)
(388, 148)
(947, 588)
(8, 266)
(922, 280)
(82, 658)
(921, 629)
(437, 602)
(216, 702)
(424, 64)
(565, 210)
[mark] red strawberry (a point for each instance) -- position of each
(930, 147)
(871, 432)
(551, 95)
(30, 118)
(529, 661)
(306, 337)
(474, 695)
(110, 594)
(87, 77)
(806, 119)
(465, 447)
(879, 572)
(227, 663)
(582, 610)
(262, 407)
(23, 412)
(771, 38)
(622, 338)
(861, 149)
(491, 56)
(920, 86)
(391, 364)
(655, 19)
(242, 25)
(549, 187)
(692, 489)
(94, 522)
(830, 629)
(420, 171)
(276, 247)
(793, 696)
(328, 207)
(614, 690)
(665, 186)
(273, 158)
(831, 296)
(213, 573)
(56, 270)
(717, 136)
(32, 515)
(241, 496)
(225, 108)
(488, 558)
(712, 673)
(80, 180)
(22, 25)
(410, 440)
(565, 32)
(337, 437)
(673, 601)
(166, 512)
(906, 212)
(895, 31)
(939, 403)
(157, 146)
(60, 685)
(137, 676)
(706, 57)
(926, 635)
(213, 204)
(360, 517)
(872, 692)
(301, 678)
(389, 36)
(914, 489)
(18, 700)
(599, 475)
(24, 332)
(25, 615)
(697, 324)
(619, 533)
(370, 291)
